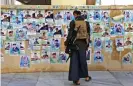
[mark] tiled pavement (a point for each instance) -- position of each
(99, 78)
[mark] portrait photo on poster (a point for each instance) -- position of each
(10, 35)
(24, 61)
(54, 57)
(15, 48)
(44, 34)
(55, 44)
(90, 16)
(128, 27)
(35, 57)
(106, 32)
(40, 16)
(49, 16)
(21, 34)
(105, 16)
(128, 41)
(43, 26)
(59, 17)
(45, 56)
(127, 15)
(112, 30)
(88, 55)
(17, 22)
(119, 29)
(62, 57)
(84, 14)
(58, 31)
(22, 47)
(119, 44)
(127, 58)
(108, 45)
(3, 33)
(68, 16)
(31, 28)
(98, 57)
(6, 15)
(36, 41)
(7, 47)
(97, 15)
(98, 43)
(27, 14)
(98, 27)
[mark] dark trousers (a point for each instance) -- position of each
(78, 64)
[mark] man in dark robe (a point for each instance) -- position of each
(78, 64)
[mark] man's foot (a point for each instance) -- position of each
(76, 82)
(88, 78)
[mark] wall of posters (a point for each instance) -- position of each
(37, 36)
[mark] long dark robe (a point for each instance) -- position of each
(78, 64)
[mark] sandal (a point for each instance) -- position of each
(88, 78)
(76, 82)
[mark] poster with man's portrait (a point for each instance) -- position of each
(98, 57)
(22, 47)
(49, 16)
(128, 27)
(7, 47)
(84, 14)
(97, 15)
(10, 35)
(24, 61)
(98, 27)
(36, 41)
(108, 45)
(105, 16)
(58, 17)
(55, 44)
(68, 16)
(40, 16)
(45, 56)
(35, 57)
(119, 44)
(58, 32)
(119, 29)
(127, 15)
(15, 48)
(106, 32)
(44, 34)
(62, 57)
(98, 43)
(112, 30)
(21, 34)
(3, 33)
(90, 16)
(27, 14)
(127, 59)
(54, 57)
(128, 41)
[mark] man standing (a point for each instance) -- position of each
(78, 65)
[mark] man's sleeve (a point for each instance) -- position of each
(88, 30)
(88, 27)
(70, 30)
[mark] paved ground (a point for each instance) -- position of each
(100, 78)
